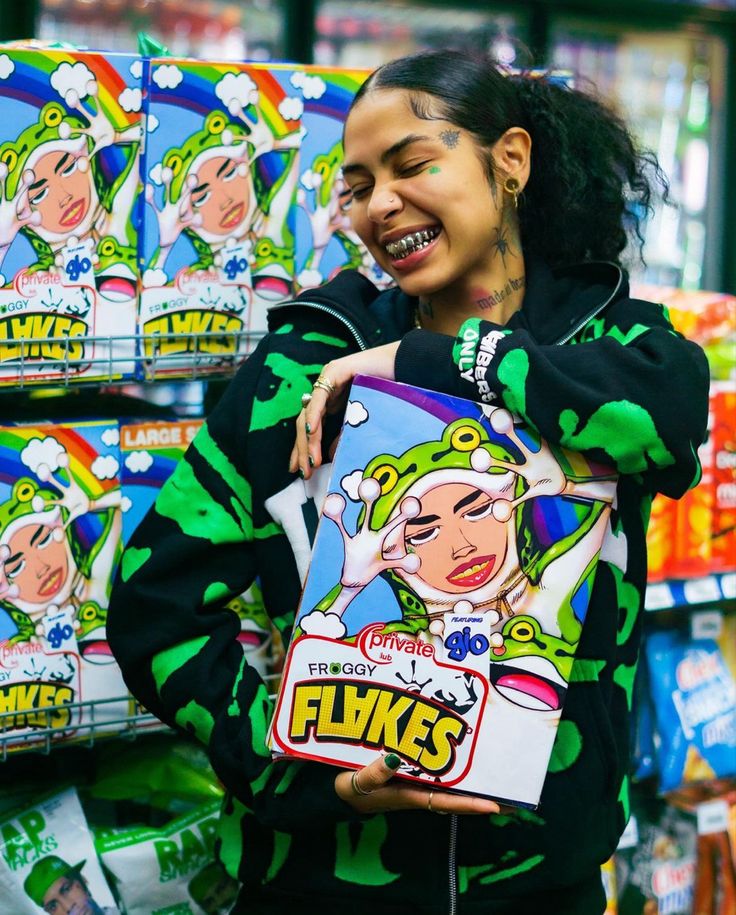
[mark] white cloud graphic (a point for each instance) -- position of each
(46, 451)
(153, 277)
(350, 484)
(355, 414)
(111, 437)
(130, 99)
(6, 66)
(237, 90)
(72, 78)
(125, 504)
(167, 76)
(327, 624)
(291, 109)
(312, 86)
(136, 69)
(155, 174)
(138, 461)
(151, 124)
(105, 467)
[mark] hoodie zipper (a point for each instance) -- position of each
(452, 851)
(327, 309)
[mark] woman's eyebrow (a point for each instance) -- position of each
(225, 165)
(467, 500)
(387, 154)
(37, 534)
(425, 519)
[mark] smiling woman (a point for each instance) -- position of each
(500, 205)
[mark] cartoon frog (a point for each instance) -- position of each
(445, 524)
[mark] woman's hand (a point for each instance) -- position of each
(307, 451)
(370, 790)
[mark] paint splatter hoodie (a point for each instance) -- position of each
(593, 370)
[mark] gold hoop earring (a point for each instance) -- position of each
(511, 186)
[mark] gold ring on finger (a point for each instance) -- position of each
(429, 801)
(356, 787)
(325, 384)
(306, 398)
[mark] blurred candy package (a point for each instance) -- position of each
(70, 129)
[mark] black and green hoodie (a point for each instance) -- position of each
(593, 371)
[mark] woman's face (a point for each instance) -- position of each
(221, 196)
(420, 179)
(460, 543)
(61, 191)
(38, 564)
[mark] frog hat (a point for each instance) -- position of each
(219, 137)
(29, 504)
(55, 130)
(464, 454)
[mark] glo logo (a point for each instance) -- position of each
(77, 266)
(235, 266)
(461, 643)
(59, 633)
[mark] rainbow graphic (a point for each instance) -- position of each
(83, 444)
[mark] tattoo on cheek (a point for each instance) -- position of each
(450, 138)
(435, 170)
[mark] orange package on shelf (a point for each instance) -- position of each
(723, 548)
(693, 527)
(661, 538)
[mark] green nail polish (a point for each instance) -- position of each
(308, 428)
(311, 461)
(301, 473)
(392, 761)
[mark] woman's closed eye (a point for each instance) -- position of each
(412, 168)
(424, 536)
(479, 511)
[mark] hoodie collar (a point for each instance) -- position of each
(559, 301)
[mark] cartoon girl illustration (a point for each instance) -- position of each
(212, 193)
(56, 189)
(452, 525)
(45, 568)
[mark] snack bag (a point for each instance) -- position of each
(695, 707)
(169, 870)
(48, 860)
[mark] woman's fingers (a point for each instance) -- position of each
(371, 789)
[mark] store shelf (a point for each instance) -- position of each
(96, 725)
(138, 357)
(691, 592)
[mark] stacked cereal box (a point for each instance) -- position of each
(325, 241)
(69, 187)
(60, 525)
(220, 169)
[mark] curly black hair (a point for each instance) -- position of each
(590, 185)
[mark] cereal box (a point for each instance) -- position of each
(444, 602)
(220, 169)
(60, 525)
(69, 188)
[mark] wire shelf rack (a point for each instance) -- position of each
(95, 722)
(123, 359)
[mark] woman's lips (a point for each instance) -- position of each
(73, 214)
(233, 216)
(474, 573)
(51, 584)
(415, 258)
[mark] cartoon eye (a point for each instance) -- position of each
(479, 511)
(263, 248)
(387, 477)
(465, 438)
(70, 169)
(53, 116)
(522, 631)
(174, 162)
(87, 613)
(10, 158)
(424, 536)
(322, 168)
(216, 124)
(14, 571)
(107, 247)
(25, 492)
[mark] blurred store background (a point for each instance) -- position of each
(669, 67)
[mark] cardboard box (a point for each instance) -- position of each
(70, 130)
(444, 602)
